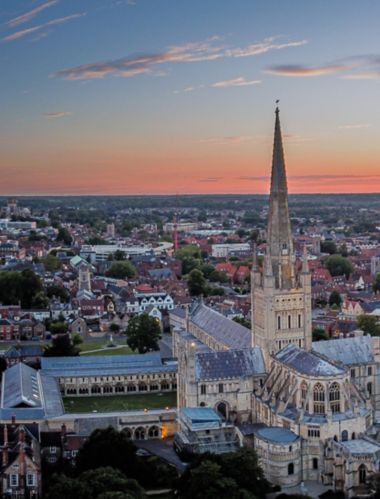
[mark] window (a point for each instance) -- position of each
(315, 463)
(313, 431)
(352, 373)
(289, 322)
(290, 469)
(369, 388)
(319, 399)
(13, 479)
(278, 322)
(220, 387)
(344, 436)
(30, 479)
(369, 371)
(203, 389)
(53, 450)
(334, 397)
(299, 320)
(303, 391)
(290, 448)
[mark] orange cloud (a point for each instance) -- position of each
(298, 70)
(29, 15)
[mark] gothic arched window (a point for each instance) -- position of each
(319, 398)
(334, 397)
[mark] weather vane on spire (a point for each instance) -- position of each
(277, 101)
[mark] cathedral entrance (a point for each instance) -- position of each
(222, 409)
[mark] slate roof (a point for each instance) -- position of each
(361, 446)
(113, 365)
(229, 364)
(307, 362)
(17, 351)
(21, 387)
(276, 434)
(348, 351)
(224, 330)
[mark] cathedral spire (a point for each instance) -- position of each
(279, 231)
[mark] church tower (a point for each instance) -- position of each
(281, 296)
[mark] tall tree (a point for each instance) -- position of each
(143, 333)
(196, 283)
(335, 298)
(338, 265)
(121, 270)
(61, 346)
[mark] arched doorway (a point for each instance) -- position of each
(222, 409)
(344, 436)
(362, 473)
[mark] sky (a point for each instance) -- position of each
(178, 96)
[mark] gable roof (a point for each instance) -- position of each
(307, 362)
(348, 351)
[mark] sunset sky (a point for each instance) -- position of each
(177, 96)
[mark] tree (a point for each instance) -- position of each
(64, 236)
(189, 250)
(119, 255)
(319, 334)
(328, 247)
(207, 269)
(196, 283)
(369, 325)
(61, 346)
(108, 447)
(54, 290)
(58, 327)
(233, 475)
(376, 283)
(190, 263)
(218, 276)
(339, 265)
(102, 483)
(143, 333)
(121, 270)
(16, 287)
(335, 298)
(244, 322)
(114, 328)
(51, 263)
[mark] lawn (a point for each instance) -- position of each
(101, 344)
(109, 403)
(124, 350)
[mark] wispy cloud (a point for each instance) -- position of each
(231, 139)
(210, 179)
(235, 82)
(208, 50)
(30, 14)
(34, 29)
(299, 70)
(56, 114)
(368, 75)
(325, 179)
(355, 126)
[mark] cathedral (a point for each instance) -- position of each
(308, 408)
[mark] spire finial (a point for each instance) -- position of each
(277, 108)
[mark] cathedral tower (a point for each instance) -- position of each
(281, 296)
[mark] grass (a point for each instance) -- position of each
(109, 403)
(125, 350)
(87, 347)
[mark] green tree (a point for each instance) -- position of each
(101, 483)
(376, 283)
(207, 269)
(369, 325)
(338, 265)
(121, 270)
(51, 263)
(58, 327)
(319, 334)
(64, 236)
(189, 250)
(114, 328)
(119, 255)
(59, 292)
(40, 300)
(242, 321)
(328, 247)
(143, 333)
(108, 447)
(190, 263)
(61, 346)
(335, 298)
(218, 276)
(196, 283)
